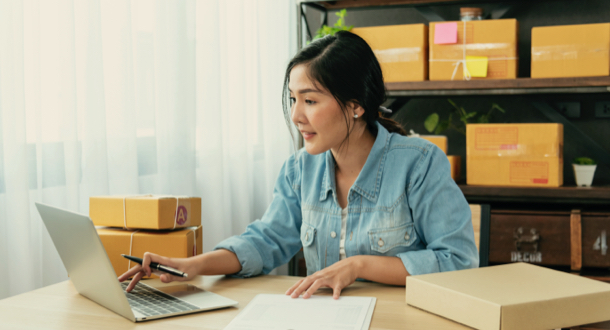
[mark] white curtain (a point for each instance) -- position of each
(105, 97)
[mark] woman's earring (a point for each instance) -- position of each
(356, 116)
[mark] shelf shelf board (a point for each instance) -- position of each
(500, 86)
(577, 195)
(340, 4)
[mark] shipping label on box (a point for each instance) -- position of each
(182, 243)
(145, 211)
(571, 51)
(488, 47)
(402, 50)
(514, 154)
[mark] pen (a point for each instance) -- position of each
(157, 266)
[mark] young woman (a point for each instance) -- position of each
(361, 199)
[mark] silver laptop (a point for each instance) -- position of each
(91, 272)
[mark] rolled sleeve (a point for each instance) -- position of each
(247, 254)
(442, 219)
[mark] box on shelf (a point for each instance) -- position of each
(514, 154)
(495, 40)
(439, 140)
(402, 50)
(181, 243)
(145, 212)
(455, 165)
(571, 51)
(513, 296)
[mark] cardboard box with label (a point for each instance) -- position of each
(441, 142)
(528, 155)
(487, 47)
(181, 243)
(402, 50)
(145, 212)
(511, 297)
(571, 51)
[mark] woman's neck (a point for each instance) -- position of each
(351, 157)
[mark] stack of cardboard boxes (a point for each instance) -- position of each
(165, 225)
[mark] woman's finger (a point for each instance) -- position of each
(134, 270)
(166, 278)
(134, 281)
(293, 287)
(337, 291)
(313, 288)
(302, 287)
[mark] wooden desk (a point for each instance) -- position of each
(59, 306)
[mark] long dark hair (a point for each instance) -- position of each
(346, 66)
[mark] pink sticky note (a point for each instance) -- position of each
(445, 33)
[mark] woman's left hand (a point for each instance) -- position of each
(336, 277)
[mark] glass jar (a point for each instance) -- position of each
(471, 14)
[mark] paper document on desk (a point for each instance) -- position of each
(281, 312)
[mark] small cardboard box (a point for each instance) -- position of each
(182, 243)
(145, 212)
(402, 50)
(571, 51)
(439, 140)
(514, 154)
(455, 165)
(495, 39)
(513, 296)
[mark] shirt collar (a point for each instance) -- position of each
(369, 179)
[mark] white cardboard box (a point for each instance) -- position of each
(512, 296)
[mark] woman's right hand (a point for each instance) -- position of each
(182, 264)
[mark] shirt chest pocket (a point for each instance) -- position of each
(383, 240)
(310, 251)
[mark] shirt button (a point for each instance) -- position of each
(407, 236)
(333, 234)
(380, 242)
(306, 236)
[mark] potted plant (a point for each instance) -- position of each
(584, 168)
(433, 124)
(331, 30)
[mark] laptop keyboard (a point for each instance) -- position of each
(150, 302)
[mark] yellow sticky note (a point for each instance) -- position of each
(477, 65)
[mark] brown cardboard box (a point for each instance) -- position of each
(182, 243)
(455, 165)
(496, 39)
(145, 212)
(402, 50)
(439, 140)
(571, 51)
(514, 296)
(514, 154)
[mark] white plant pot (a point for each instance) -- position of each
(584, 174)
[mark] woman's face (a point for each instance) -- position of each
(316, 113)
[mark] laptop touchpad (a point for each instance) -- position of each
(180, 290)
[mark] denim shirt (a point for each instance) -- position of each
(403, 204)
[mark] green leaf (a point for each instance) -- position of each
(442, 127)
(470, 115)
(431, 122)
(584, 161)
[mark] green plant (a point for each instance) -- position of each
(584, 161)
(338, 26)
(434, 125)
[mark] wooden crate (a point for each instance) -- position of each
(550, 238)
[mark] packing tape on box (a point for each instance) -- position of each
(456, 64)
(159, 196)
(193, 229)
(568, 52)
(393, 55)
